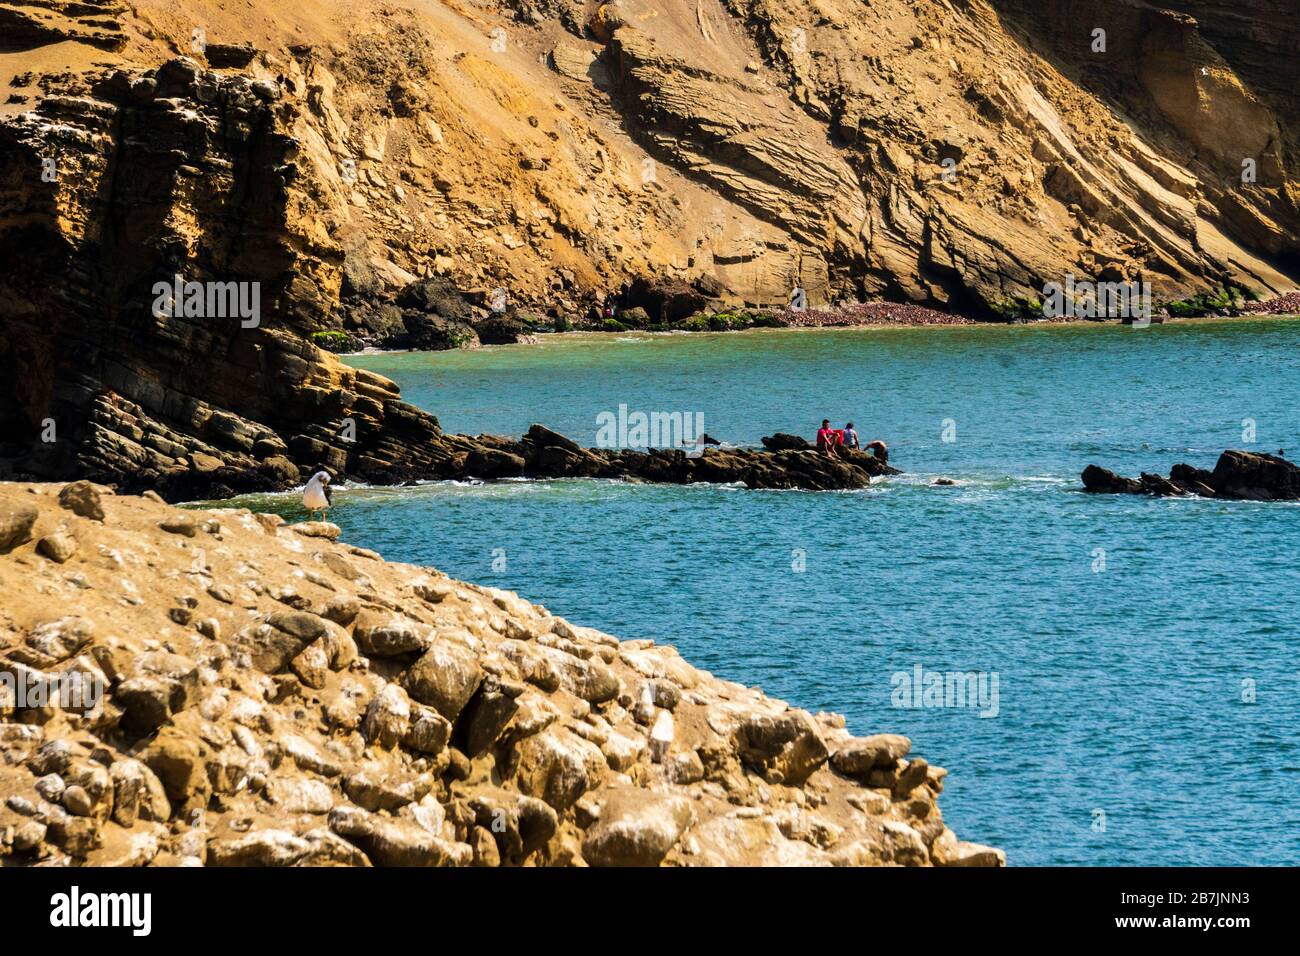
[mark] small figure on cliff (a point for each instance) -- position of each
(850, 437)
(316, 496)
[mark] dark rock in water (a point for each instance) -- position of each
(542, 453)
(1240, 475)
(503, 330)
(494, 463)
(1096, 478)
(543, 437)
(664, 300)
(783, 442)
(430, 332)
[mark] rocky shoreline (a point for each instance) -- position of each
(432, 315)
(96, 384)
(99, 385)
(787, 462)
(1238, 475)
(260, 694)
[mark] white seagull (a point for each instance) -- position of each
(316, 496)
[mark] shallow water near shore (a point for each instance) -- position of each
(1127, 635)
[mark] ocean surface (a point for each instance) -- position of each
(1145, 653)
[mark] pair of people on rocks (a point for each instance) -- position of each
(829, 440)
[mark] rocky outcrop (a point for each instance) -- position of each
(190, 173)
(1238, 475)
(176, 173)
(251, 693)
(1201, 78)
(26, 24)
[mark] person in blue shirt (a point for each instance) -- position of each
(850, 437)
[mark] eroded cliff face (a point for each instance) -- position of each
(226, 690)
(1201, 80)
(955, 151)
(959, 154)
(179, 172)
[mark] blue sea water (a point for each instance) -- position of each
(1146, 652)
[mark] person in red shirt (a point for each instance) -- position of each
(827, 439)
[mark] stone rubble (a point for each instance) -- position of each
(314, 705)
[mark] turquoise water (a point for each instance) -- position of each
(1120, 686)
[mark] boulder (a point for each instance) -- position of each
(860, 756)
(388, 718)
(273, 644)
(58, 546)
(237, 55)
(491, 463)
(275, 847)
(179, 760)
(390, 635)
(1242, 474)
(486, 715)
(396, 842)
(16, 522)
(558, 766)
(784, 442)
(949, 851)
(428, 731)
(785, 749)
(84, 499)
(445, 678)
(636, 828)
(521, 825)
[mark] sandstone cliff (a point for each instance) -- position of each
(274, 697)
(958, 153)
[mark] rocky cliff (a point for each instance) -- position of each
(180, 688)
(952, 152)
(404, 168)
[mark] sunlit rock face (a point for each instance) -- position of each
(394, 175)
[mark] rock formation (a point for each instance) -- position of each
(434, 175)
(1240, 475)
(960, 152)
(102, 386)
(186, 688)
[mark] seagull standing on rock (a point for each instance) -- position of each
(316, 496)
